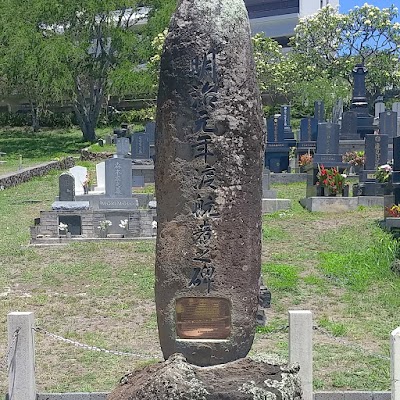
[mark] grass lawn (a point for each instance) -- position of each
(336, 265)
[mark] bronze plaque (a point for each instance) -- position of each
(203, 318)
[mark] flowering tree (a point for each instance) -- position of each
(332, 43)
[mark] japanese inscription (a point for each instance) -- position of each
(204, 95)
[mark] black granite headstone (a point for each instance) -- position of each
(308, 129)
(277, 148)
(150, 130)
(275, 130)
(376, 151)
(66, 186)
(140, 146)
(349, 126)
(328, 138)
(388, 123)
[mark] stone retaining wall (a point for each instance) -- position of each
(26, 174)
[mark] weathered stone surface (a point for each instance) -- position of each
(208, 169)
(244, 379)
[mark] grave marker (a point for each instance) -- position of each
(140, 146)
(123, 146)
(118, 177)
(208, 184)
(388, 123)
(80, 175)
(66, 186)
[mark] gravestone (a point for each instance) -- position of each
(108, 139)
(349, 128)
(327, 152)
(319, 111)
(267, 193)
(123, 146)
(376, 154)
(388, 123)
(138, 181)
(337, 111)
(101, 177)
(307, 138)
(379, 108)
(208, 166)
(66, 187)
(140, 146)
(287, 129)
(359, 103)
(396, 108)
(308, 130)
(80, 175)
(396, 169)
(118, 177)
(150, 130)
(277, 148)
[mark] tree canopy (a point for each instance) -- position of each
(330, 44)
(78, 52)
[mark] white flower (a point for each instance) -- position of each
(154, 224)
(123, 224)
(105, 224)
(344, 176)
(63, 227)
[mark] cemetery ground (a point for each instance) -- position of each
(101, 294)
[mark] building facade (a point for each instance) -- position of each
(278, 18)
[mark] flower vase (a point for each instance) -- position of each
(346, 191)
(329, 193)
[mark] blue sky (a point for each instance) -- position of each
(346, 5)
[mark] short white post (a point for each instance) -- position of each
(300, 348)
(21, 361)
(395, 363)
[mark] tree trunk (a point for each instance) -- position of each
(87, 108)
(35, 117)
(87, 124)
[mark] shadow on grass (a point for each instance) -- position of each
(44, 144)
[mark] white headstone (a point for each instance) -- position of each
(396, 108)
(379, 108)
(80, 174)
(101, 177)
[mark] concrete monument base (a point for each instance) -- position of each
(340, 204)
(272, 205)
(237, 380)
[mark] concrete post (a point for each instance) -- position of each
(21, 361)
(395, 363)
(300, 348)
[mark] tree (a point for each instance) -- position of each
(275, 71)
(76, 51)
(332, 43)
(284, 80)
(27, 63)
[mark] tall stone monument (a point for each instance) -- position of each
(208, 169)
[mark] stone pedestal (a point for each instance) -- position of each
(244, 379)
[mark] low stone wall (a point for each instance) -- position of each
(87, 155)
(26, 174)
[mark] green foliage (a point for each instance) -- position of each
(335, 328)
(360, 263)
(329, 44)
(280, 277)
